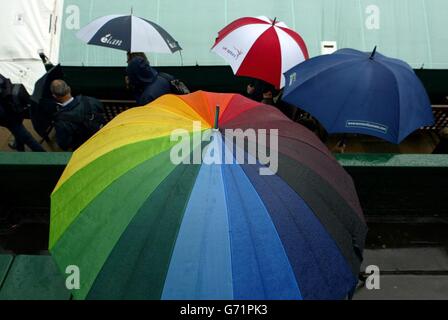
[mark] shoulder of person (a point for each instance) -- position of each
(89, 99)
(76, 101)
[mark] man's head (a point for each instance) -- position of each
(140, 73)
(61, 91)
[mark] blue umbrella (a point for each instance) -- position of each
(351, 91)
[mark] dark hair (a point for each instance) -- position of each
(132, 55)
(140, 73)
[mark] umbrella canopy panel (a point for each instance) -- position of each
(140, 226)
(128, 33)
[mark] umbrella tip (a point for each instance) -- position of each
(373, 53)
(274, 21)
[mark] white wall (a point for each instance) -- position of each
(27, 27)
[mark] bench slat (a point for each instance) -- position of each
(34, 278)
(5, 263)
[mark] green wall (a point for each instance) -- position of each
(412, 30)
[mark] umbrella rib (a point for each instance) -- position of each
(399, 96)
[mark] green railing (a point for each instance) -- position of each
(387, 184)
(393, 160)
(34, 159)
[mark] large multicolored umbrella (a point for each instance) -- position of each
(260, 48)
(140, 225)
(351, 91)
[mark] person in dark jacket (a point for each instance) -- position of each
(145, 81)
(77, 118)
(13, 120)
(22, 137)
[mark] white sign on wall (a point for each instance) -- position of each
(328, 47)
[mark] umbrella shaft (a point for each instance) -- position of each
(216, 117)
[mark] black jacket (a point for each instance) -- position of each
(146, 82)
(69, 122)
(8, 117)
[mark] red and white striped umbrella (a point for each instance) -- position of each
(261, 48)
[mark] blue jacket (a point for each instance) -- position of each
(146, 82)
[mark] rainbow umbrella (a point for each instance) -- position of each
(140, 224)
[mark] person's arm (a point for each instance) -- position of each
(99, 105)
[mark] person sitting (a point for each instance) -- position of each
(77, 118)
(442, 146)
(12, 119)
(144, 81)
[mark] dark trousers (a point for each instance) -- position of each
(23, 137)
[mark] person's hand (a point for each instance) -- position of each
(250, 89)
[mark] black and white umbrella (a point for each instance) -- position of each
(128, 33)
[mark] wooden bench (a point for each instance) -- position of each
(441, 116)
(114, 107)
